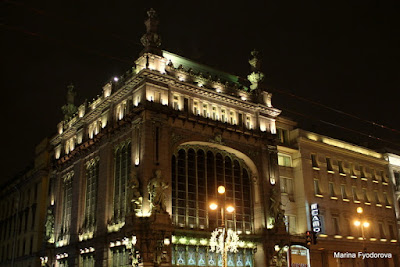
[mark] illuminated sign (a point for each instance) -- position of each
(315, 218)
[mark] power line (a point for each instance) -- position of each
(335, 110)
(342, 127)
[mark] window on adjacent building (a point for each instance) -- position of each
(352, 171)
(362, 172)
(122, 167)
(365, 195)
(343, 191)
(329, 167)
(386, 199)
(290, 222)
(331, 189)
(335, 225)
(355, 196)
(377, 201)
(397, 180)
(284, 160)
(341, 169)
(287, 185)
(381, 230)
(391, 232)
(373, 176)
(283, 135)
(317, 189)
(314, 162)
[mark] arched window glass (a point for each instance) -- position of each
(197, 171)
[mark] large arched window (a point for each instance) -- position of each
(197, 171)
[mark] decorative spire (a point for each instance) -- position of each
(256, 75)
(69, 109)
(151, 40)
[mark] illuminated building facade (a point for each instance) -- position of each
(323, 181)
(23, 212)
(135, 170)
(132, 175)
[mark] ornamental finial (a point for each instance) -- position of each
(151, 40)
(256, 75)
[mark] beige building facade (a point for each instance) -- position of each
(323, 182)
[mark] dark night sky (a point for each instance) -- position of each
(343, 54)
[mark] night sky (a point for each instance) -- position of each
(340, 54)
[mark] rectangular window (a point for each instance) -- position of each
(290, 222)
(232, 117)
(283, 135)
(157, 97)
(344, 193)
(196, 110)
(373, 176)
(214, 113)
(248, 123)
(377, 201)
(329, 167)
(335, 225)
(341, 169)
(381, 230)
(316, 188)
(176, 103)
(397, 180)
(386, 199)
(391, 232)
(355, 196)
(286, 185)
(365, 195)
(352, 171)
(284, 160)
(205, 111)
(186, 104)
(240, 116)
(223, 115)
(314, 162)
(362, 173)
(332, 190)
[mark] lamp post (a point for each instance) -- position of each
(223, 240)
(363, 224)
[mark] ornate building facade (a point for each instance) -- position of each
(135, 170)
(132, 174)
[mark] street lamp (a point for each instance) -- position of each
(363, 224)
(223, 240)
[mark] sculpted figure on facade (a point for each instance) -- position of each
(136, 198)
(276, 213)
(157, 188)
(49, 226)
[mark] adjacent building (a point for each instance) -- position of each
(323, 182)
(23, 212)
